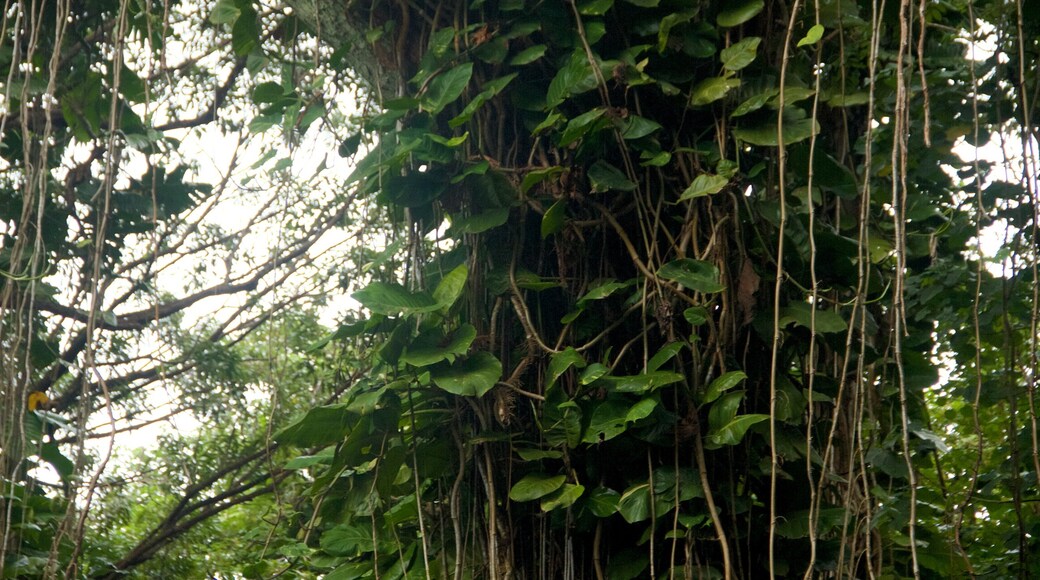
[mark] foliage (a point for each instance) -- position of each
(718, 258)
(664, 289)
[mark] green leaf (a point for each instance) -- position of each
(664, 30)
(347, 540)
(605, 177)
(603, 502)
(740, 54)
(710, 90)
(537, 176)
(812, 36)
(733, 432)
(538, 454)
(224, 12)
(563, 498)
(754, 103)
(304, 461)
(641, 410)
(704, 184)
(722, 384)
(390, 298)
(562, 424)
(664, 355)
(636, 127)
(641, 383)
(480, 222)
(554, 219)
(696, 275)
(593, 373)
(724, 410)
(320, 426)
(433, 346)
(634, 504)
(50, 453)
(594, 7)
(608, 421)
(563, 360)
(580, 126)
(601, 291)
(472, 377)
(827, 321)
(528, 55)
(696, 315)
(446, 87)
(740, 13)
(766, 135)
(451, 286)
(535, 485)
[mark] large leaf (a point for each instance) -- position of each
(696, 275)
(447, 87)
(766, 134)
(433, 346)
(554, 218)
(602, 502)
(320, 426)
(634, 504)
(390, 298)
(643, 383)
(535, 485)
(471, 377)
(451, 286)
(609, 419)
(801, 313)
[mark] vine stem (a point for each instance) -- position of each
(774, 458)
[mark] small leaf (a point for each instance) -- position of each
(669, 22)
(605, 177)
(696, 275)
(642, 383)
(563, 498)
(582, 125)
(710, 90)
(563, 360)
(602, 291)
(812, 36)
(733, 432)
(320, 426)
(704, 184)
(537, 176)
(740, 13)
(472, 377)
(740, 54)
(637, 127)
(593, 373)
(722, 384)
(446, 87)
(696, 315)
(724, 410)
(554, 218)
(535, 485)
(641, 410)
(528, 55)
(664, 355)
(538, 454)
(754, 103)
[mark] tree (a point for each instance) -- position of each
(706, 265)
(669, 289)
(134, 268)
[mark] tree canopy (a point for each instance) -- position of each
(637, 288)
